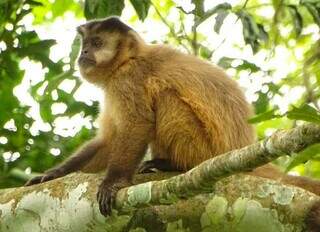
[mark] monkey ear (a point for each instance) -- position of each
(81, 30)
(135, 38)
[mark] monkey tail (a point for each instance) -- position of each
(312, 219)
(98, 163)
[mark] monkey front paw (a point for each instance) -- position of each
(44, 178)
(106, 195)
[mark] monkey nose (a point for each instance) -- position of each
(84, 52)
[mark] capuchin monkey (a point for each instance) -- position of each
(185, 109)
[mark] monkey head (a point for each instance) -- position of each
(106, 45)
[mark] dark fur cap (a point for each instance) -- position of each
(109, 24)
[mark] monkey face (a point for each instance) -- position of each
(100, 45)
(97, 50)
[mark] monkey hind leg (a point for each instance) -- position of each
(180, 136)
(160, 161)
(313, 218)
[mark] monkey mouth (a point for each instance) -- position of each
(85, 61)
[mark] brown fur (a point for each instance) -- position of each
(313, 218)
(195, 110)
(186, 109)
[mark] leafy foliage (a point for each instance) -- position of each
(311, 152)
(33, 148)
(313, 8)
(141, 7)
(296, 18)
(253, 33)
(103, 8)
(304, 113)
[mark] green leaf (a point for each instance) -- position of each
(261, 105)
(273, 88)
(199, 7)
(75, 49)
(220, 8)
(102, 8)
(38, 51)
(22, 14)
(109, 7)
(297, 18)
(305, 113)
(223, 7)
(219, 20)
(34, 3)
(251, 31)
(248, 65)
(90, 9)
(314, 12)
(225, 62)
(45, 110)
(304, 156)
(205, 52)
(263, 35)
(141, 7)
(309, 1)
(265, 116)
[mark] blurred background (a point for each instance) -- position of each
(270, 47)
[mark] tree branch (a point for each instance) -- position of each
(238, 201)
(201, 178)
(170, 27)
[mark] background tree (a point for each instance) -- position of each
(272, 49)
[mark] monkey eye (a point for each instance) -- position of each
(96, 42)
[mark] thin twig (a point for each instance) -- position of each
(306, 80)
(225, 37)
(275, 23)
(258, 6)
(194, 43)
(171, 29)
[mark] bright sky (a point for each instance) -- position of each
(230, 31)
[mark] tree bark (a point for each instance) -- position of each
(206, 198)
(236, 203)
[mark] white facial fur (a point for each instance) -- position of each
(102, 56)
(109, 49)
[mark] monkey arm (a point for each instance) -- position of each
(129, 146)
(76, 162)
